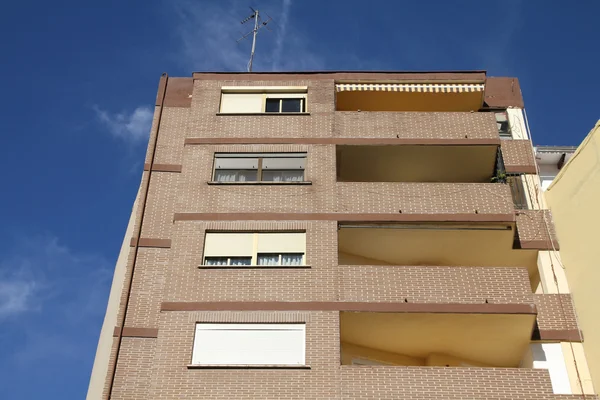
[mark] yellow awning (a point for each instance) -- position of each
(410, 87)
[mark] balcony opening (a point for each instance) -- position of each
(408, 163)
(434, 244)
(441, 340)
(423, 96)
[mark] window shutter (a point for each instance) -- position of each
(228, 244)
(243, 103)
(249, 344)
(281, 242)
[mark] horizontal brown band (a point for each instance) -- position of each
(521, 169)
(378, 76)
(536, 244)
(136, 332)
(567, 335)
(163, 167)
(400, 217)
(484, 308)
(147, 242)
(346, 141)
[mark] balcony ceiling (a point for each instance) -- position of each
(416, 163)
(408, 101)
(435, 244)
(496, 340)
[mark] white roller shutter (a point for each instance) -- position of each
(228, 244)
(281, 242)
(243, 103)
(249, 344)
(549, 356)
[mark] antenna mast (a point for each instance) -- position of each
(257, 25)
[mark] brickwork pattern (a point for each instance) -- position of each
(533, 226)
(173, 131)
(517, 154)
(424, 198)
(188, 283)
(160, 206)
(444, 383)
(415, 125)
(174, 348)
(555, 312)
(417, 284)
(136, 358)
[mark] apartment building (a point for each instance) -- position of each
(571, 179)
(340, 235)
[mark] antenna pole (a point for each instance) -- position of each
(255, 31)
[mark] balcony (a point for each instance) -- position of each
(414, 96)
(473, 244)
(410, 163)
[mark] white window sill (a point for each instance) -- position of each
(265, 113)
(254, 266)
(259, 183)
(252, 366)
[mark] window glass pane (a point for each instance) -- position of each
(240, 260)
(215, 261)
(268, 259)
(291, 259)
(225, 175)
(272, 105)
(291, 105)
(283, 176)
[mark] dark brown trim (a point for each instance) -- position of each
(535, 244)
(136, 332)
(484, 308)
(163, 167)
(148, 242)
(567, 335)
(520, 169)
(347, 141)
(193, 366)
(400, 217)
(260, 183)
(396, 76)
(561, 161)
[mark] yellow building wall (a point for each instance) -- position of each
(574, 198)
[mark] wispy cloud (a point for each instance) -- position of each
(208, 34)
(44, 283)
(131, 127)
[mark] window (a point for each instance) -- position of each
(257, 100)
(517, 189)
(259, 167)
(249, 344)
(268, 249)
(503, 124)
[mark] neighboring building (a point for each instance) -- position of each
(339, 235)
(574, 198)
(550, 160)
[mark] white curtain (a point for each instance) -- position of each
(291, 259)
(240, 261)
(215, 261)
(227, 175)
(268, 259)
(284, 176)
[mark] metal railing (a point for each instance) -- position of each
(515, 181)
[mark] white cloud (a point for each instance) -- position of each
(15, 296)
(208, 34)
(133, 127)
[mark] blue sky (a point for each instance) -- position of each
(78, 83)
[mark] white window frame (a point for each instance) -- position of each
(256, 249)
(280, 92)
(300, 157)
(249, 344)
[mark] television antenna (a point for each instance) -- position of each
(258, 24)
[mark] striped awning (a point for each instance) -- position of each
(410, 87)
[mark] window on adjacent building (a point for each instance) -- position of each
(252, 100)
(517, 189)
(249, 344)
(257, 167)
(503, 124)
(230, 249)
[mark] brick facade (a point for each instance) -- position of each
(157, 367)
